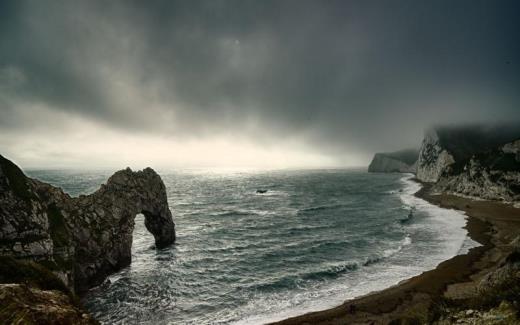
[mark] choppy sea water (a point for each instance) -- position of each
(313, 240)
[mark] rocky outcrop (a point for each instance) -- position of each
(22, 304)
(434, 159)
(83, 239)
(477, 161)
(394, 162)
(493, 175)
(447, 150)
(504, 314)
(105, 222)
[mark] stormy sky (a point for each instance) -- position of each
(247, 83)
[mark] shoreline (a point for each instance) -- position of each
(492, 224)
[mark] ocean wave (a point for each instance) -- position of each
(233, 213)
(328, 271)
(322, 207)
(304, 228)
(409, 217)
(407, 240)
(328, 245)
(331, 271)
(372, 260)
(392, 251)
(446, 224)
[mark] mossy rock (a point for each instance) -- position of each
(21, 304)
(31, 273)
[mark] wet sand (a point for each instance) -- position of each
(492, 224)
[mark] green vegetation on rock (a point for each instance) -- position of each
(30, 273)
(22, 304)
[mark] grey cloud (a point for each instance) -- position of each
(363, 75)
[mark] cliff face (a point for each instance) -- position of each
(81, 240)
(434, 159)
(447, 150)
(492, 175)
(394, 162)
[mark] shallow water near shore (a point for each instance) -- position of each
(313, 240)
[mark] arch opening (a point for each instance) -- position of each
(142, 238)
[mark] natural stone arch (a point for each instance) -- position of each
(106, 245)
(83, 239)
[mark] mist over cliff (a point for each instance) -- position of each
(480, 161)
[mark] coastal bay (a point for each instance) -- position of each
(426, 297)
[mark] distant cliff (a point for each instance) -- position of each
(400, 161)
(52, 241)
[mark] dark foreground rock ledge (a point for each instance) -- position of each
(79, 240)
(22, 304)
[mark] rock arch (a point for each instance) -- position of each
(82, 240)
(106, 245)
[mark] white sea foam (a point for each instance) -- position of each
(405, 242)
(446, 224)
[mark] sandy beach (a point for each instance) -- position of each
(492, 224)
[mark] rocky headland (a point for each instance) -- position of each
(472, 161)
(54, 247)
(403, 161)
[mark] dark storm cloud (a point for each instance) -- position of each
(363, 75)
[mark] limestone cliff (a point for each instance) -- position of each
(433, 158)
(84, 239)
(492, 175)
(446, 150)
(394, 162)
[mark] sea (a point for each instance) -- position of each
(314, 239)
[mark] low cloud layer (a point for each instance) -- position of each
(324, 82)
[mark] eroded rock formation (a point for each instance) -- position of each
(446, 151)
(492, 175)
(83, 239)
(477, 161)
(433, 158)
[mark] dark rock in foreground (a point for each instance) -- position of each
(22, 304)
(81, 240)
